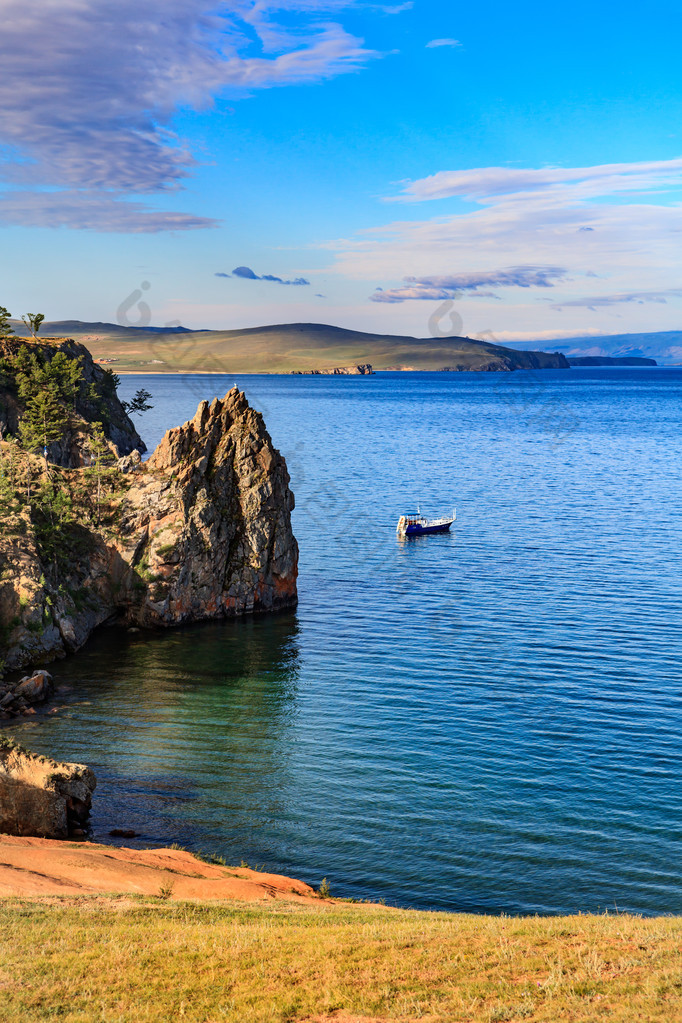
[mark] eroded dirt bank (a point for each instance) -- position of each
(43, 866)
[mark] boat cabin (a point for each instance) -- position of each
(411, 519)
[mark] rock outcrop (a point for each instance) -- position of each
(362, 369)
(201, 530)
(39, 796)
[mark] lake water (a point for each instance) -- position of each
(489, 720)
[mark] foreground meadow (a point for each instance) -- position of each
(122, 958)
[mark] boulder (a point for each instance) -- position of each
(40, 796)
(129, 463)
(36, 688)
(18, 698)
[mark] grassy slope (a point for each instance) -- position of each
(276, 349)
(148, 961)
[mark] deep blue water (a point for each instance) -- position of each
(489, 720)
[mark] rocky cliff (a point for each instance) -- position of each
(362, 369)
(201, 530)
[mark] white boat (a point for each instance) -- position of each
(416, 524)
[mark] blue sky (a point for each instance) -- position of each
(357, 163)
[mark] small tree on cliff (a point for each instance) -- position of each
(102, 461)
(43, 422)
(33, 321)
(5, 326)
(139, 404)
(6, 489)
(9, 473)
(67, 374)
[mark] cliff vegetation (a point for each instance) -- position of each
(54, 399)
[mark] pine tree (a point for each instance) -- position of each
(67, 375)
(49, 390)
(12, 461)
(5, 328)
(102, 460)
(53, 513)
(33, 321)
(43, 423)
(139, 404)
(6, 489)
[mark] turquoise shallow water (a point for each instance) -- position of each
(487, 721)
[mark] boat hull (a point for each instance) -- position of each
(418, 530)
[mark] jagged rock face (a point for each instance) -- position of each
(42, 797)
(204, 531)
(210, 520)
(106, 408)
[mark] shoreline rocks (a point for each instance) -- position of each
(42, 797)
(362, 369)
(19, 698)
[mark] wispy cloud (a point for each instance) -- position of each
(487, 185)
(437, 288)
(639, 297)
(89, 209)
(396, 8)
(247, 274)
(94, 109)
(435, 43)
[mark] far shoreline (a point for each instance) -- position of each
(357, 376)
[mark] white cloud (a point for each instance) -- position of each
(530, 217)
(434, 43)
(88, 88)
(545, 185)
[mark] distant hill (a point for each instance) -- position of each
(665, 346)
(608, 360)
(73, 327)
(287, 348)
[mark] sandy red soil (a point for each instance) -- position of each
(43, 866)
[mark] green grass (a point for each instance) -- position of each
(127, 960)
